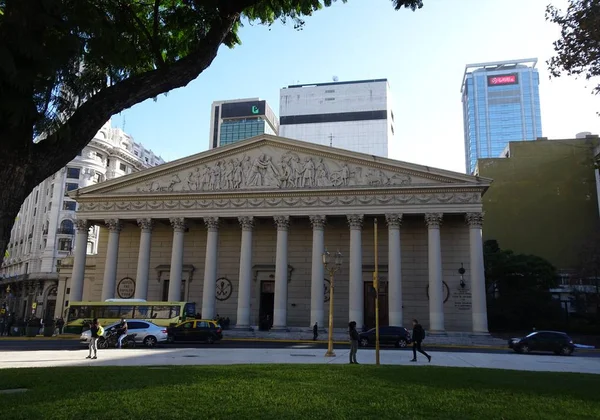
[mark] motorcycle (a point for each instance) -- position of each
(111, 340)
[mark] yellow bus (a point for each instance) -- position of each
(79, 314)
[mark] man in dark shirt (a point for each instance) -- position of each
(315, 331)
(418, 335)
(354, 336)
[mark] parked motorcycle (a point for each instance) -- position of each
(111, 340)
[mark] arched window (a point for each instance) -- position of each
(66, 227)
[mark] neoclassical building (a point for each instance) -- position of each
(241, 230)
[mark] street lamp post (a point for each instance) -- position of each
(331, 267)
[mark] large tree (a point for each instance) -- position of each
(519, 287)
(578, 48)
(67, 66)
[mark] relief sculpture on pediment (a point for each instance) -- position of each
(289, 170)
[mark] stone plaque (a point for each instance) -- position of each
(462, 299)
(126, 288)
(224, 289)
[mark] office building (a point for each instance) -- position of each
(44, 231)
(501, 103)
(235, 120)
(353, 115)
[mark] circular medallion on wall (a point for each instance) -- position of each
(446, 291)
(224, 289)
(126, 288)
(326, 286)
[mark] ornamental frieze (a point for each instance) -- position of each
(278, 202)
(273, 169)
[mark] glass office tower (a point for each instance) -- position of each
(501, 103)
(235, 120)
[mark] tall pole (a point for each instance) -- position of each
(330, 352)
(376, 286)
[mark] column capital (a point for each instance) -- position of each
(212, 224)
(178, 224)
(113, 225)
(145, 224)
(247, 222)
(317, 221)
(393, 220)
(82, 225)
(433, 220)
(475, 220)
(282, 222)
(355, 221)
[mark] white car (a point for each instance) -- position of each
(147, 333)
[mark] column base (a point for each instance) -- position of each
(436, 333)
(480, 334)
(279, 329)
(330, 354)
(243, 327)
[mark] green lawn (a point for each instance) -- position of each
(296, 392)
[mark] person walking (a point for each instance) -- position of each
(94, 339)
(353, 342)
(315, 331)
(418, 336)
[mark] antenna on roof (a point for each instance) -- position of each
(335, 78)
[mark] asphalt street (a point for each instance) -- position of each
(41, 344)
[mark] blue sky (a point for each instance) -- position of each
(422, 54)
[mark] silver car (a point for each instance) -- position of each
(147, 333)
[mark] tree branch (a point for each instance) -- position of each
(62, 146)
(160, 62)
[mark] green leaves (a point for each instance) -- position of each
(578, 48)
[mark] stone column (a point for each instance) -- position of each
(394, 269)
(436, 286)
(82, 227)
(143, 265)
(281, 273)
(478, 289)
(179, 228)
(245, 277)
(356, 301)
(210, 267)
(317, 284)
(112, 256)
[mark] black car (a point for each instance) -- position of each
(196, 330)
(556, 342)
(398, 336)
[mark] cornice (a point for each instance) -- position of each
(316, 192)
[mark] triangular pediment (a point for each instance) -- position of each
(275, 163)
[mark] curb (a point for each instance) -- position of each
(41, 337)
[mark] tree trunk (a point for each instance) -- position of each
(16, 182)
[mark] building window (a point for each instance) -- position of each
(64, 244)
(90, 248)
(70, 186)
(66, 227)
(69, 205)
(73, 173)
(123, 167)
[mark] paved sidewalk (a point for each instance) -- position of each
(300, 354)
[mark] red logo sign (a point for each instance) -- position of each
(504, 79)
